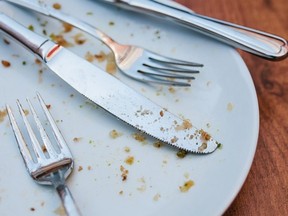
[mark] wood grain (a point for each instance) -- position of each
(265, 191)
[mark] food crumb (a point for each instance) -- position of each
(158, 144)
(139, 137)
(89, 57)
(77, 139)
(6, 63)
(181, 153)
(26, 112)
(127, 149)
(67, 27)
(174, 139)
(186, 186)
(111, 64)
(124, 173)
(172, 90)
(59, 39)
(6, 41)
(142, 188)
(31, 27)
(80, 168)
(186, 124)
(57, 6)
(32, 209)
(60, 211)
(129, 160)
(230, 107)
(121, 192)
(204, 135)
(100, 57)
(156, 197)
(202, 147)
(115, 134)
(3, 114)
(78, 38)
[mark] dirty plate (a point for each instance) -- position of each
(117, 170)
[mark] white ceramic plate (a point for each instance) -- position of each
(221, 100)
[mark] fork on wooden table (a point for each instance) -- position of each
(136, 62)
(47, 164)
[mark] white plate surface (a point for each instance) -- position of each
(221, 100)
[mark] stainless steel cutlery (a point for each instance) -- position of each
(257, 42)
(110, 93)
(48, 162)
(136, 62)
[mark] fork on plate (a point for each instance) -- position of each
(47, 164)
(136, 62)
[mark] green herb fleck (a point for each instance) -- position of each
(31, 27)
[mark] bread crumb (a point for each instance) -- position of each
(124, 173)
(77, 139)
(139, 137)
(129, 160)
(89, 57)
(100, 57)
(6, 63)
(60, 211)
(67, 27)
(182, 153)
(57, 6)
(186, 124)
(230, 107)
(115, 134)
(111, 64)
(186, 186)
(78, 39)
(80, 168)
(59, 39)
(3, 114)
(127, 149)
(156, 197)
(204, 135)
(158, 144)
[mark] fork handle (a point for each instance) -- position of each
(67, 200)
(64, 193)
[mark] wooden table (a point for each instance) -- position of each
(265, 191)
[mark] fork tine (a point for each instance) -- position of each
(20, 140)
(159, 80)
(58, 136)
(46, 141)
(172, 69)
(172, 61)
(166, 75)
(35, 144)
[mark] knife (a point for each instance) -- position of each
(115, 97)
(259, 43)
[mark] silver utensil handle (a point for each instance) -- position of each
(26, 37)
(58, 181)
(67, 200)
(42, 8)
(256, 42)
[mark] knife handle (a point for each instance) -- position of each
(26, 37)
(262, 44)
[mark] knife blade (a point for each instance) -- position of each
(115, 97)
(262, 44)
